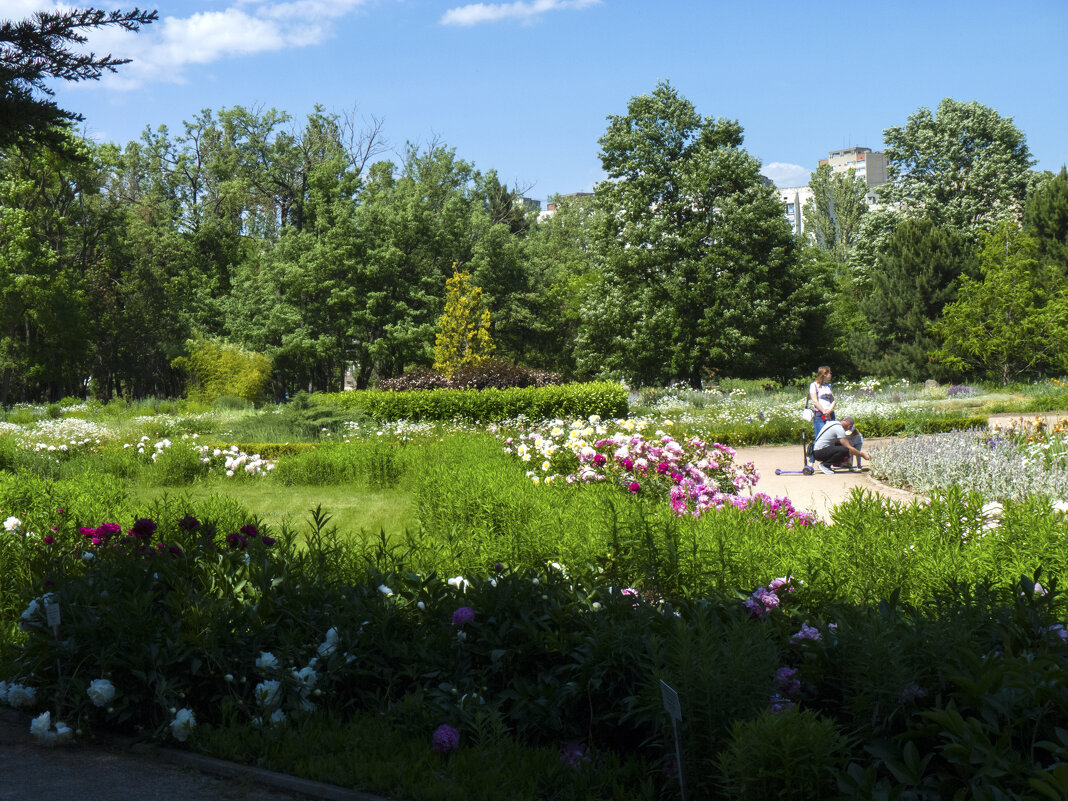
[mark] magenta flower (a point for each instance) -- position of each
(47, 540)
(188, 523)
(635, 487)
(599, 459)
(445, 739)
(268, 541)
(143, 529)
(250, 531)
(465, 614)
(236, 540)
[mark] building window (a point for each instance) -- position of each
(789, 208)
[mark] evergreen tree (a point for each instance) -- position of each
(915, 276)
(34, 50)
(463, 337)
(1046, 219)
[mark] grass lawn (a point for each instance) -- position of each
(351, 510)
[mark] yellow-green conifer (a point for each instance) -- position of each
(464, 329)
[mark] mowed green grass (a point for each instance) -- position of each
(352, 510)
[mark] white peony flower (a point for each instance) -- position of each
(267, 661)
(101, 691)
(12, 523)
(183, 723)
(386, 591)
(268, 693)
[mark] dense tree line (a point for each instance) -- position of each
(297, 240)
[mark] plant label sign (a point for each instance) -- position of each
(52, 613)
(671, 701)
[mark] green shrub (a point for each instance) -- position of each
(22, 416)
(217, 369)
(786, 756)
(230, 402)
(536, 403)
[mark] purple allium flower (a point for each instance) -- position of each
(911, 692)
(574, 755)
(786, 681)
(445, 739)
(465, 614)
(807, 632)
(778, 704)
(144, 528)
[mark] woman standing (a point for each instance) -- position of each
(822, 399)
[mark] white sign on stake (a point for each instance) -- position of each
(52, 613)
(671, 701)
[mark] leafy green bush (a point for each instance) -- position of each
(218, 369)
(795, 754)
(536, 403)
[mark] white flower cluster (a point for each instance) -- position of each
(67, 429)
(17, 695)
(232, 460)
(271, 692)
(41, 728)
(100, 692)
(183, 723)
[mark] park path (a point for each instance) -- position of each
(818, 493)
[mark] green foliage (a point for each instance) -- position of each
(916, 274)
(1046, 219)
(792, 755)
(536, 403)
(1014, 320)
(834, 212)
(965, 167)
(45, 47)
(463, 337)
(698, 268)
(219, 370)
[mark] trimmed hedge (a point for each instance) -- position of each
(925, 424)
(487, 405)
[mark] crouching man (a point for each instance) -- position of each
(837, 444)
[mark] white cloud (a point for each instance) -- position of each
(476, 13)
(163, 50)
(784, 174)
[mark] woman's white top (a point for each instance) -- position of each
(823, 394)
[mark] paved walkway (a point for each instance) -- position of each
(818, 493)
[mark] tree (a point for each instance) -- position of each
(33, 50)
(834, 212)
(698, 268)
(1011, 322)
(965, 166)
(1046, 219)
(463, 336)
(916, 275)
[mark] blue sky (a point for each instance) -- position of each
(525, 87)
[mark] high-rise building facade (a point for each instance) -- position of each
(866, 164)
